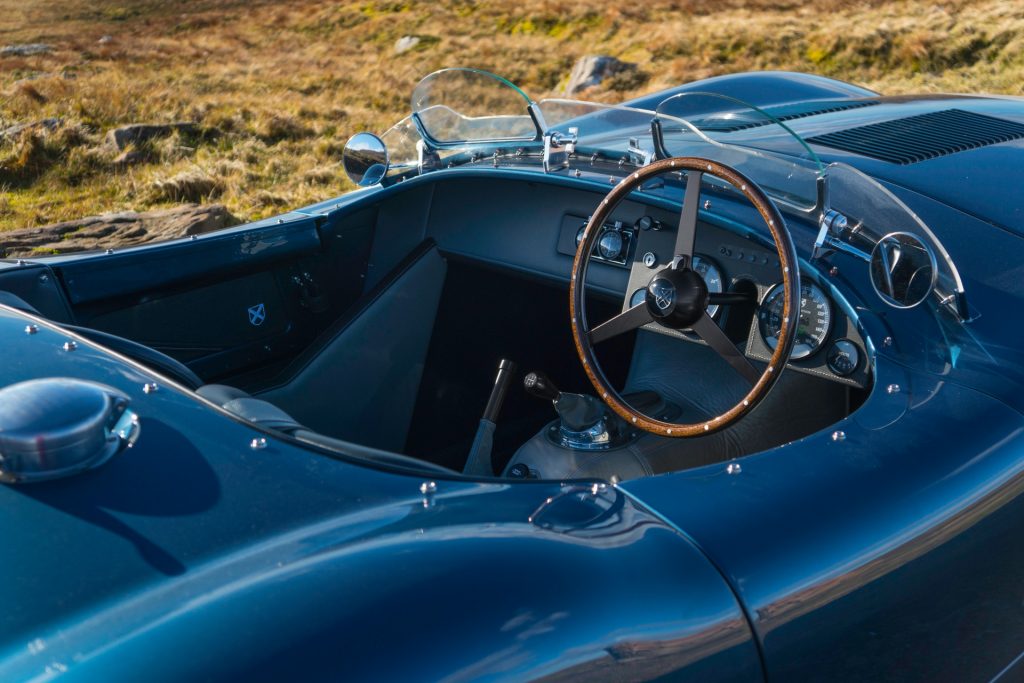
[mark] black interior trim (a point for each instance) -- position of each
(113, 276)
(336, 328)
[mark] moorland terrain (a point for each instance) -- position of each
(271, 89)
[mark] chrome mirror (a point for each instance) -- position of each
(903, 270)
(365, 159)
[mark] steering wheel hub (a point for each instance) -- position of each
(677, 298)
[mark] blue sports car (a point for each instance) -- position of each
(724, 383)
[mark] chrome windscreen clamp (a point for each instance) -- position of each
(834, 234)
(558, 147)
(637, 154)
(426, 158)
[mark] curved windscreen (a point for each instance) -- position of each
(468, 105)
(401, 140)
(872, 212)
(596, 123)
(745, 137)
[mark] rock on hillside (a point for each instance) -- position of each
(134, 133)
(25, 50)
(115, 230)
(592, 70)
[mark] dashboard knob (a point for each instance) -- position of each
(648, 223)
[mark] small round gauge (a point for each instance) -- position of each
(843, 357)
(638, 297)
(712, 278)
(812, 327)
(610, 245)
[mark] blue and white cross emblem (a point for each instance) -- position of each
(257, 314)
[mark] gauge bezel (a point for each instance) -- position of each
(820, 343)
(856, 366)
(713, 309)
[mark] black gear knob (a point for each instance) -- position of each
(540, 385)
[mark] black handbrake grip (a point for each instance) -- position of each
(540, 385)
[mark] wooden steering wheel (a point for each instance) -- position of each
(677, 297)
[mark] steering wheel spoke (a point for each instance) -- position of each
(687, 231)
(635, 317)
(728, 298)
(708, 330)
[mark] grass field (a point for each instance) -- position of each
(275, 88)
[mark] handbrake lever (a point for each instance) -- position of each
(479, 461)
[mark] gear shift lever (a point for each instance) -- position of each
(578, 412)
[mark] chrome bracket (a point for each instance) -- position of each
(558, 148)
(426, 158)
(834, 234)
(638, 155)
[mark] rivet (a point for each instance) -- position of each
(280, 220)
(887, 341)
(258, 443)
(838, 435)
(707, 204)
(193, 237)
(833, 271)
(611, 179)
(109, 252)
(428, 487)
(150, 388)
(893, 388)
(733, 468)
(70, 345)
(577, 173)
(22, 262)
(31, 329)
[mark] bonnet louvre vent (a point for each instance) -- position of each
(922, 137)
(786, 113)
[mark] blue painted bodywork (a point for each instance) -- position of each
(885, 548)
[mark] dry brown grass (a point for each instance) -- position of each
(277, 87)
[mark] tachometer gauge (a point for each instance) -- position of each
(712, 278)
(812, 328)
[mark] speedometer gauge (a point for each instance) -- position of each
(707, 269)
(812, 328)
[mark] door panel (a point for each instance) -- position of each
(233, 304)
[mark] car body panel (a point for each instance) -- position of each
(250, 559)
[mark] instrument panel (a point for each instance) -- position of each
(827, 343)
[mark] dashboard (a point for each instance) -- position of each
(827, 342)
(534, 227)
